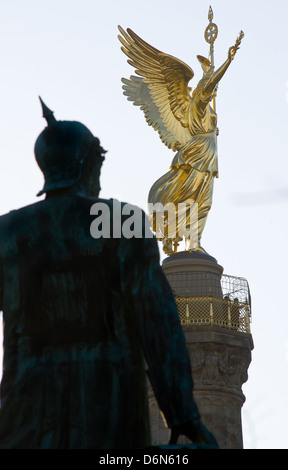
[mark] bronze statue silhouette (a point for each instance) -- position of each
(81, 315)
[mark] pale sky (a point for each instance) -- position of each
(67, 51)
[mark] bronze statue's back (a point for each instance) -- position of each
(71, 363)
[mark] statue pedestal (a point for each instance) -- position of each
(219, 344)
(193, 275)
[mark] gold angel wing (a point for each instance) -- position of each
(161, 91)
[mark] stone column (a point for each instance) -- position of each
(219, 350)
(220, 359)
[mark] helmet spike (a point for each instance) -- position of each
(47, 113)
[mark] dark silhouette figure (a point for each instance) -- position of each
(82, 315)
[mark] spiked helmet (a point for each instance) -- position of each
(61, 149)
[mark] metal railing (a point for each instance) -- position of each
(224, 313)
(224, 302)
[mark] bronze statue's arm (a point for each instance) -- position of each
(162, 341)
(164, 347)
(158, 329)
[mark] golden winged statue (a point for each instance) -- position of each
(187, 124)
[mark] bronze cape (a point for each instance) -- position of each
(80, 318)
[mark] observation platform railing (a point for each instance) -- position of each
(207, 300)
(212, 311)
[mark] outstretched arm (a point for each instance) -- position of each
(216, 77)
